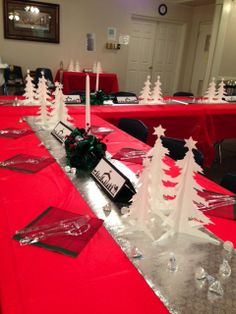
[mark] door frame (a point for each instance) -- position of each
(192, 87)
(182, 43)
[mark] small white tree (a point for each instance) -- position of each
(59, 111)
(221, 91)
(159, 192)
(71, 66)
(140, 210)
(43, 100)
(210, 94)
(99, 67)
(30, 90)
(186, 218)
(145, 94)
(94, 67)
(156, 94)
(77, 66)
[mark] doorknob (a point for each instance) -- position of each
(150, 67)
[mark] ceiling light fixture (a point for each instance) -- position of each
(32, 9)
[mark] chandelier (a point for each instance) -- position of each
(32, 9)
(14, 16)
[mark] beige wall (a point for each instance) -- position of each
(78, 17)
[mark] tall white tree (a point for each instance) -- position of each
(156, 94)
(140, 210)
(59, 111)
(210, 94)
(160, 192)
(221, 91)
(145, 94)
(30, 90)
(43, 100)
(77, 66)
(71, 66)
(94, 67)
(99, 67)
(186, 218)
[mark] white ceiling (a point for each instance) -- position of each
(193, 3)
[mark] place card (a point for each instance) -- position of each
(61, 131)
(115, 184)
(72, 99)
(126, 100)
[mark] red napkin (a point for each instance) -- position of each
(14, 133)
(131, 155)
(65, 244)
(26, 163)
(220, 205)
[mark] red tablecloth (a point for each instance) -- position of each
(206, 123)
(35, 281)
(75, 81)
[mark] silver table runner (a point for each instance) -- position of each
(179, 290)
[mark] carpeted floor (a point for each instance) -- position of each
(227, 164)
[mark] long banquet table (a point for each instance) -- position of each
(101, 279)
(206, 123)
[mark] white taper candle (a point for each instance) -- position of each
(87, 104)
(97, 77)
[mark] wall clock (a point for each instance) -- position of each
(162, 9)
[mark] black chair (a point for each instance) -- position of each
(177, 149)
(134, 127)
(47, 74)
(183, 94)
(229, 182)
(14, 81)
(122, 94)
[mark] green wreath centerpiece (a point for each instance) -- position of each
(83, 151)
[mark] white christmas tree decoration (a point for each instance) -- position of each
(158, 190)
(210, 94)
(94, 67)
(77, 66)
(140, 209)
(151, 189)
(156, 94)
(221, 91)
(71, 66)
(43, 100)
(99, 67)
(185, 217)
(145, 94)
(59, 111)
(30, 90)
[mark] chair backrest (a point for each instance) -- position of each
(122, 94)
(229, 182)
(183, 94)
(134, 127)
(177, 149)
(47, 74)
(13, 75)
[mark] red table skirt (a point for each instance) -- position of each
(75, 81)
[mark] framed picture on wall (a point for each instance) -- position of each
(31, 20)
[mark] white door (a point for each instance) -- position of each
(201, 58)
(167, 55)
(155, 49)
(140, 54)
